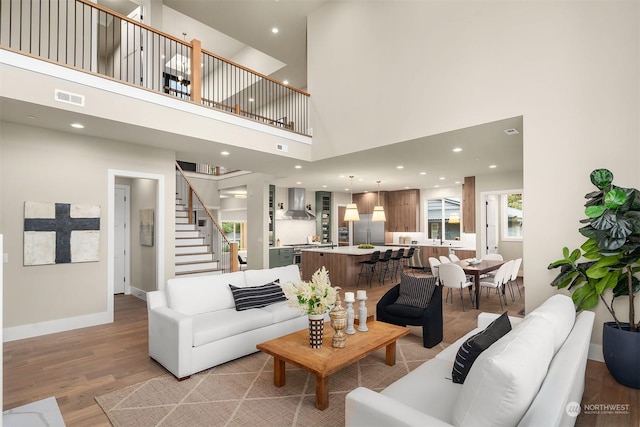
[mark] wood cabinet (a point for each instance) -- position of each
(465, 253)
(469, 205)
(402, 210)
(367, 201)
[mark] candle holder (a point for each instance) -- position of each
(362, 314)
(350, 316)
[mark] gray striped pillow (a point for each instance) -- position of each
(416, 291)
(257, 296)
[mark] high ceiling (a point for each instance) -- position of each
(427, 162)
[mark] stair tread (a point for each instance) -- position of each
(196, 262)
(183, 273)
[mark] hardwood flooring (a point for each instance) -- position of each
(78, 365)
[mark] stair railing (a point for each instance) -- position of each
(198, 211)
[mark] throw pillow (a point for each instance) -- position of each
(472, 347)
(257, 296)
(416, 291)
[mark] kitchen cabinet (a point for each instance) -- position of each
(402, 210)
(323, 216)
(465, 253)
(367, 201)
(279, 257)
(469, 205)
(272, 216)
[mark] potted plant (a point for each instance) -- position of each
(604, 269)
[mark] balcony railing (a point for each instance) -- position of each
(89, 37)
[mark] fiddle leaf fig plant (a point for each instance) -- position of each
(609, 258)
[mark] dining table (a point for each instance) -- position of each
(476, 270)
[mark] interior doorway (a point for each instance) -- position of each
(122, 215)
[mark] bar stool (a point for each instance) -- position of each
(396, 263)
(368, 267)
(383, 265)
(409, 255)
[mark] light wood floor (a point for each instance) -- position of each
(76, 366)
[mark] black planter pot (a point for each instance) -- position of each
(621, 349)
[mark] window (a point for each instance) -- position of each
(236, 232)
(512, 216)
(443, 214)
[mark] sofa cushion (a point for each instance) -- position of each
(416, 291)
(216, 325)
(286, 274)
(505, 378)
(561, 314)
(256, 296)
(427, 389)
(472, 347)
(281, 312)
(201, 294)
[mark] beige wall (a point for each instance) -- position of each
(48, 166)
(571, 69)
(143, 258)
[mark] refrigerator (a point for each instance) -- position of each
(365, 231)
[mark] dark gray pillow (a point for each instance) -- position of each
(415, 291)
(473, 346)
(257, 296)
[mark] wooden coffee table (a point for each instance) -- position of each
(294, 349)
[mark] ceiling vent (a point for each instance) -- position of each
(69, 98)
(511, 131)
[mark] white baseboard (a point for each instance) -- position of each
(53, 326)
(139, 293)
(595, 353)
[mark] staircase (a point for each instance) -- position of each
(193, 256)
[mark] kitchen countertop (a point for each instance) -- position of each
(437, 245)
(353, 250)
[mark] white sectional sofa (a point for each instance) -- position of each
(194, 325)
(529, 377)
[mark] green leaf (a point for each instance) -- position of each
(604, 221)
(615, 198)
(565, 278)
(594, 211)
(575, 255)
(565, 252)
(601, 178)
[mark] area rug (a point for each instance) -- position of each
(241, 392)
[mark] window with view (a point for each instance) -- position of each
(512, 216)
(236, 232)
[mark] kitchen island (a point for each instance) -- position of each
(342, 262)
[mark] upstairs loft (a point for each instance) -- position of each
(86, 58)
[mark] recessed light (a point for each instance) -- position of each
(511, 131)
(457, 150)
(366, 191)
(251, 99)
(360, 179)
(493, 166)
(399, 167)
(224, 153)
(441, 178)
(423, 173)
(274, 30)
(436, 186)
(457, 182)
(285, 82)
(406, 188)
(324, 186)
(298, 167)
(77, 125)
(346, 189)
(298, 182)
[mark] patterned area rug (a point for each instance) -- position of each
(241, 392)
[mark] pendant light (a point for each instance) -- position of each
(378, 210)
(351, 212)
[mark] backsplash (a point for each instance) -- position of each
(294, 232)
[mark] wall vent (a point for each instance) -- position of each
(282, 147)
(69, 98)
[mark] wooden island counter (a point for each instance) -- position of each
(342, 262)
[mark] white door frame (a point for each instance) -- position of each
(160, 219)
(127, 238)
(483, 216)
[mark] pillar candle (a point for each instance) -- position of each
(362, 294)
(348, 296)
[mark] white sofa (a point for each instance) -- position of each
(193, 323)
(529, 377)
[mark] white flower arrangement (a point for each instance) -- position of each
(314, 297)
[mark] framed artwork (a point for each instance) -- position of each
(146, 227)
(60, 233)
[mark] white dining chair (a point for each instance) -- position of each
(513, 278)
(434, 265)
(444, 260)
(497, 281)
(454, 258)
(452, 277)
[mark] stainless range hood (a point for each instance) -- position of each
(297, 209)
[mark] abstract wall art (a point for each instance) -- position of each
(60, 233)
(146, 227)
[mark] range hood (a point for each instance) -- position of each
(297, 205)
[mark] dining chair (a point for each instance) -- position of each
(493, 257)
(452, 276)
(443, 259)
(513, 278)
(453, 257)
(434, 265)
(368, 268)
(498, 281)
(242, 261)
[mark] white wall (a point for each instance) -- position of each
(571, 69)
